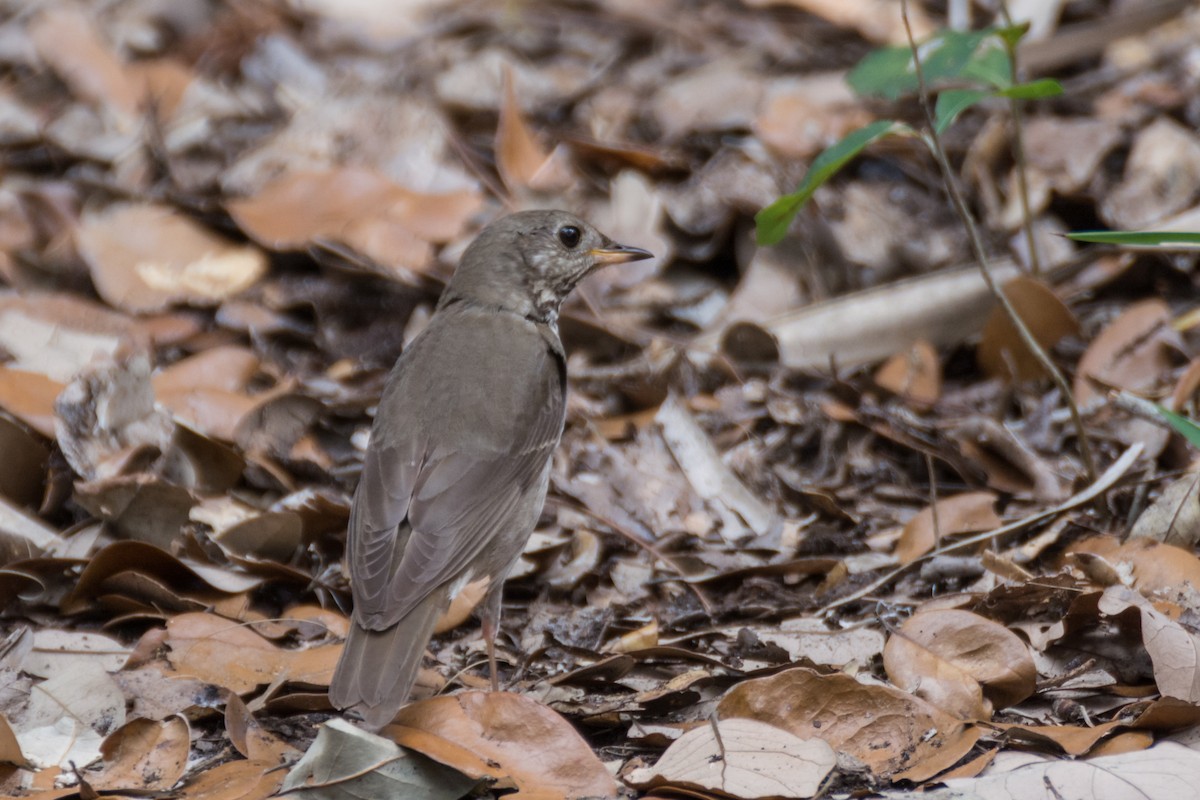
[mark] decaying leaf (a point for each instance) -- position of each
(750, 759)
(955, 659)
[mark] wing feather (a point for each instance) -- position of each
(432, 499)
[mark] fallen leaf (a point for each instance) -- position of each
(1174, 650)
(530, 744)
(949, 656)
(1002, 352)
(225, 653)
(145, 755)
(888, 729)
(146, 258)
(1131, 352)
(750, 760)
(914, 374)
(345, 761)
(970, 512)
(358, 207)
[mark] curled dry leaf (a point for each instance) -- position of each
(1130, 353)
(1174, 650)
(358, 207)
(1158, 569)
(26, 458)
(526, 742)
(144, 755)
(970, 512)
(251, 739)
(948, 656)
(750, 760)
(914, 374)
(225, 653)
(147, 257)
(1002, 353)
(886, 728)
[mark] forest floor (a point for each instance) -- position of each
(819, 522)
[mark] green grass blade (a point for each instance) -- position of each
(1182, 425)
(1165, 240)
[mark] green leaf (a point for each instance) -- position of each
(1011, 35)
(1182, 425)
(773, 221)
(946, 57)
(1167, 240)
(1044, 87)
(953, 102)
(991, 65)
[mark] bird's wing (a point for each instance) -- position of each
(430, 501)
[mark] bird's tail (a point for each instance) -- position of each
(378, 668)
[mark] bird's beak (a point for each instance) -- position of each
(618, 254)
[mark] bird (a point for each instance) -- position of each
(457, 465)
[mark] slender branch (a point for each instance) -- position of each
(1018, 150)
(960, 205)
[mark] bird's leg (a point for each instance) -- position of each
(490, 617)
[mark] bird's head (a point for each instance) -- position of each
(530, 261)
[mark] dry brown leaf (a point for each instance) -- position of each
(915, 374)
(227, 368)
(1157, 569)
(530, 744)
(30, 396)
(750, 760)
(970, 512)
(1002, 353)
(949, 656)
(1174, 650)
(225, 653)
(67, 40)
(234, 780)
(886, 728)
(145, 755)
(254, 742)
(877, 20)
(1130, 353)
(358, 207)
(147, 257)
(520, 159)
(57, 335)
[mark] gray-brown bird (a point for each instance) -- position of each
(458, 462)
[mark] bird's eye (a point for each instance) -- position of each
(569, 235)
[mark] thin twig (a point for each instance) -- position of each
(1018, 150)
(933, 501)
(1105, 482)
(960, 205)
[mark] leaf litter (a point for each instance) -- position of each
(818, 523)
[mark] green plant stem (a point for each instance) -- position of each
(935, 145)
(1018, 150)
